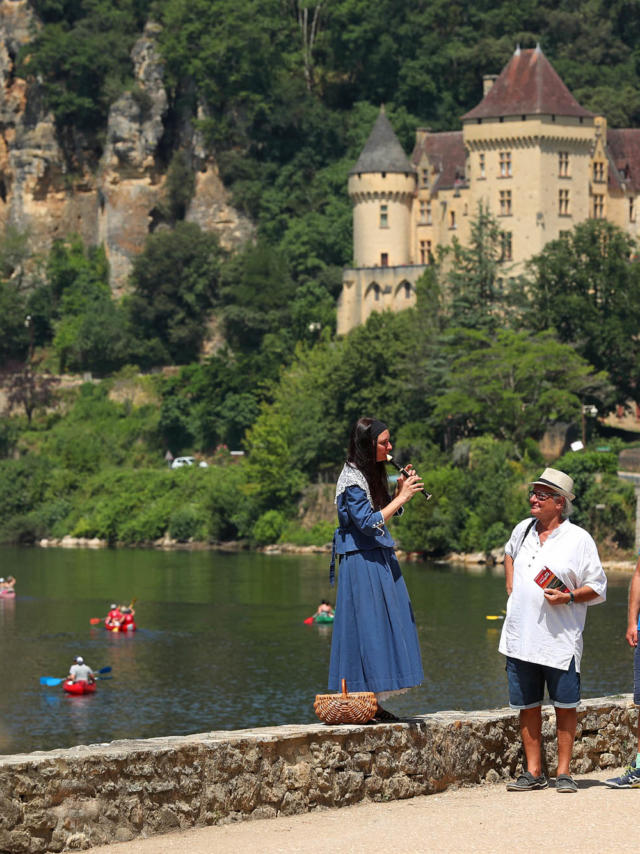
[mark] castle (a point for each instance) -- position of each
(528, 152)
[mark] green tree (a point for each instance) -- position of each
(476, 283)
(89, 327)
(175, 286)
(513, 385)
(587, 287)
(257, 291)
(81, 59)
(14, 336)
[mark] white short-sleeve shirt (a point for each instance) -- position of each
(533, 629)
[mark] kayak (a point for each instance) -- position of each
(323, 618)
(125, 628)
(7, 594)
(72, 687)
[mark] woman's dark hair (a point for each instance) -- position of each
(362, 454)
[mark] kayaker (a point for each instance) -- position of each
(127, 616)
(81, 672)
(114, 617)
(324, 608)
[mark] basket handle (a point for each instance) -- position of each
(344, 688)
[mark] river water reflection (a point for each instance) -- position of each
(222, 645)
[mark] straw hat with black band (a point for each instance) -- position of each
(557, 481)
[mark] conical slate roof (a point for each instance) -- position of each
(528, 85)
(382, 151)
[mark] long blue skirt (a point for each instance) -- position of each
(375, 641)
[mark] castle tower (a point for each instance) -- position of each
(529, 145)
(381, 186)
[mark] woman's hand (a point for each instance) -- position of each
(408, 486)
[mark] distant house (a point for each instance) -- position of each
(529, 152)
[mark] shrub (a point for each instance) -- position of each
(318, 535)
(187, 523)
(268, 528)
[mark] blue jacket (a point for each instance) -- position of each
(360, 527)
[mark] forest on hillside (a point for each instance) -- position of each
(285, 94)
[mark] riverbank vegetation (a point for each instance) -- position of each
(284, 96)
(469, 396)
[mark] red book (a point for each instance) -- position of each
(548, 581)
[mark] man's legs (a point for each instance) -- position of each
(566, 721)
(531, 732)
(526, 692)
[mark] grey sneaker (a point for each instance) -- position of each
(527, 782)
(565, 783)
(629, 780)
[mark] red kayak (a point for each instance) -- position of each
(121, 627)
(72, 687)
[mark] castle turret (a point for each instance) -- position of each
(382, 186)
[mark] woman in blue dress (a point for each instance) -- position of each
(375, 641)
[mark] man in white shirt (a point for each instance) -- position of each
(542, 632)
(81, 672)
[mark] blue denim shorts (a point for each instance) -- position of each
(527, 681)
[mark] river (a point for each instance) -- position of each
(222, 645)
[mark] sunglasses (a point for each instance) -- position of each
(542, 496)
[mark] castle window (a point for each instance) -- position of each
(425, 213)
(384, 259)
(481, 165)
(425, 251)
(424, 177)
(407, 290)
(563, 202)
(632, 210)
(564, 235)
(563, 164)
(506, 246)
(505, 203)
(452, 219)
(384, 216)
(598, 172)
(598, 206)
(505, 164)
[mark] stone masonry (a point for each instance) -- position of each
(91, 795)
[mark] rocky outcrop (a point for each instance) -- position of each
(112, 204)
(88, 796)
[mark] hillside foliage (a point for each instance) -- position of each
(284, 94)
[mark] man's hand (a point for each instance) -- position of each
(557, 597)
(632, 634)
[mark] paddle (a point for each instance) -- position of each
(95, 620)
(51, 681)
(308, 621)
(494, 617)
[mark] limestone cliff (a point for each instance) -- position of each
(114, 203)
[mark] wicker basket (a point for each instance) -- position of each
(346, 708)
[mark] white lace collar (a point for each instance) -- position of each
(352, 476)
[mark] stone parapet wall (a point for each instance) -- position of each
(87, 796)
